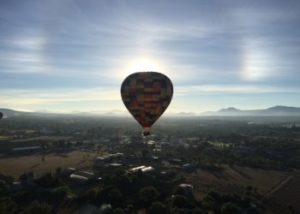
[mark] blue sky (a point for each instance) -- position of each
(72, 55)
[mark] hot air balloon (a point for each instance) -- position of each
(146, 96)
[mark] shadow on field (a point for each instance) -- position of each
(35, 165)
(234, 168)
(219, 175)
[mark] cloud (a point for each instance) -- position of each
(37, 97)
(24, 55)
(232, 89)
(207, 47)
(257, 61)
(32, 98)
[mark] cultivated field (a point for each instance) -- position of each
(234, 180)
(287, 195)
(15, 166)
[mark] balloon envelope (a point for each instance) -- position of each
(146, 95)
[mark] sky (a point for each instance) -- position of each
(72, 55)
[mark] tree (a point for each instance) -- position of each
(118, 211)
(61, 192)
(47, 181)
(8, 206)
(157, 207)
(37, 208)
(180, 201)
(58, 171)
(114, 196)
(148, 195)
(145, 153)
(230, 208)
(212, 201)
(198, 211)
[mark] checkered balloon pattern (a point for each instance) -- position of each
(147, 95)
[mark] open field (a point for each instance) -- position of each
(287, 195)
(15, 166)
(4, 138)
(234, 180)
(41, 139)
(7, 144)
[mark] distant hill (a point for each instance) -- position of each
(11, 113)
(231, 111)
(8, 113)
(272, 111)
(182, 114)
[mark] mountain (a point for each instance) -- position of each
(11, 113)
(272, 111)
(231, 111)
(8, 113)
(182, 114)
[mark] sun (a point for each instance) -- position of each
(143, 64)
(140, 64)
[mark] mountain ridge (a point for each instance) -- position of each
(278, 110)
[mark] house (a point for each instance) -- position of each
(101, 160)
(26, 149)
(78, 178)
(144, 169)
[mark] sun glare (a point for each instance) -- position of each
(141, 64)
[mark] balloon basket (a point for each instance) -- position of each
(146, 132)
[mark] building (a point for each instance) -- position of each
(26, 149)
(144, 169)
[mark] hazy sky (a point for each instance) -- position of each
(72, 55)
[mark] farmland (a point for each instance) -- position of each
(287, 196)
(40, 163)
(234, 180)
